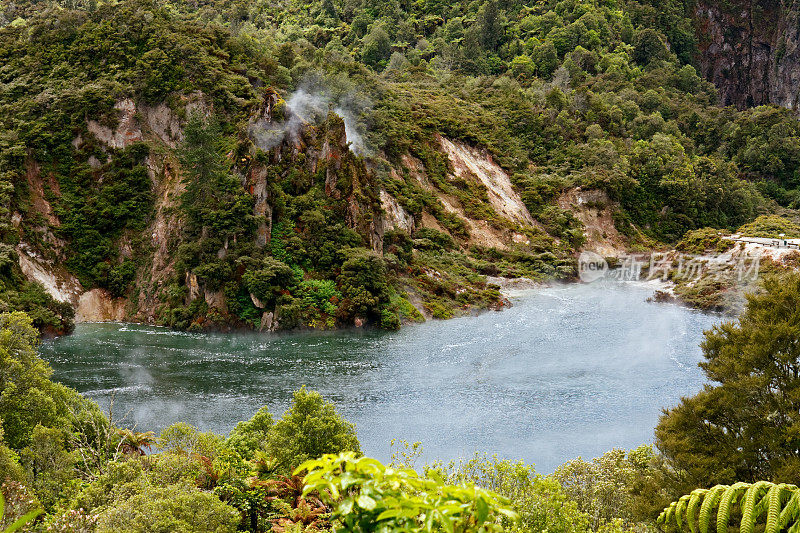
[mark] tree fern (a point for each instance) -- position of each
(789, 513)
(776, 505)
(776, 497)
(680, 509)
(753, 505)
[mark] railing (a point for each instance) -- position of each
(791, 244)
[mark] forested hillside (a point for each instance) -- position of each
(274, 165)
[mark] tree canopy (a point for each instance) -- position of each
(744, 426)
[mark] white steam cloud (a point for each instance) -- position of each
(310, 104)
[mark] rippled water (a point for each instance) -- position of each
(569, 370)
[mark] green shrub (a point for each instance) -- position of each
(175, 508)
(363, 284)
(182, 438)
(390, 320)
(540, 502)
(439, 239)
(251, 435)
(367, 496)
(771, 226)
(310, 428)
(9, 463)
(320, 299)
(266, 280)
(704, 240)
(27, 396)
(621, 485)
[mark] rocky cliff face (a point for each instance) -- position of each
(751, 50)
(319, 150)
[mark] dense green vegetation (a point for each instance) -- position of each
(742, 428)
(273, 222)
(367, 496)
(562, 94)
(305, 472)
(771, 226)
(193, 158)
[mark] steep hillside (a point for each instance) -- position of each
(299, 213)
(244, 165)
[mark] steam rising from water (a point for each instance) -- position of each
(310, 104)
(569, 370)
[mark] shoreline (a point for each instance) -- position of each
(510, 288)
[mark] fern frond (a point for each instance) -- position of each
(691, 511)
(670, 511)
(680, 509)
(752, 498)
(709, 504)
(779, 505)
(788, 517)
(777, 495)
(762, 502)
(726, 503)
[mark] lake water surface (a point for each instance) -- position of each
(571, 370)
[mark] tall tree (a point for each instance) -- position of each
(377, 46)
(214, 199)
(747, 426)
(27, 396)
(309, 429)
(490, 26)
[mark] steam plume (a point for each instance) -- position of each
(310, 104)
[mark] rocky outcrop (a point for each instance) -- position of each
(479, 232)
(269, 321)
(595, 211)
(97, 305)
(60, 284)
(134, 122)
(394, 216)
(510, 218)
(750, 50)
(319, 151)
(163, 123)
(334, 147)
(469, 162)
(138, 122)
(263, 209)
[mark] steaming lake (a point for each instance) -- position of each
(568, 371)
